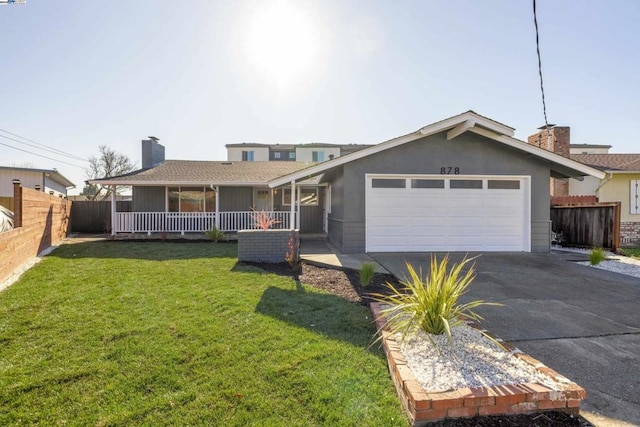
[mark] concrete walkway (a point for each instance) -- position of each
(321, 252)
(581, 321)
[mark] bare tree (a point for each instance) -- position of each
(108, 164)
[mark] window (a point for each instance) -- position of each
(427, 183)
(276, 155)
(247, 156)
(466, 183)
(503, 185)
(317, 156)
(308, 196)
(292, 154)
(191, 199)
(388, 183)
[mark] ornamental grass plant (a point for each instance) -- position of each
(367, 272)
(596, 256)
(430, 302)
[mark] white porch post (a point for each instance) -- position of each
(298, 207)
(113, 210)
(292, 216)
(218, 207)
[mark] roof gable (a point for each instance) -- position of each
(468, 121)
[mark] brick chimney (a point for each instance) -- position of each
(557, 140)
(152, 153)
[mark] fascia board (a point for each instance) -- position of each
(180, 183)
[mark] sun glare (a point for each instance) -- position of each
(282, 43)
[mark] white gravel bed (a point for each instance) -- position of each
(614, 262)
(473, 361)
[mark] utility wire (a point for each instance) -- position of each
(544, 105)
(39, 145)
(40, 155)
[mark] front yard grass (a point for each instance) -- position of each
(155, 333)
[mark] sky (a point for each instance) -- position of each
(199, 74)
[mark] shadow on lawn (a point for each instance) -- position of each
(325, 314)
(146, 250)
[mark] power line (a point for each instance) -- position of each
(544, 105)
(38, 145)
(40, 155)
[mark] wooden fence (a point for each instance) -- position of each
(40, 221)
(94, 216)
(593, 225)
(7, 202)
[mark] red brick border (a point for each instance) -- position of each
(423, 406)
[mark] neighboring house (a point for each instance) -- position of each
(621, 182)
(313, 152)
(460, 184)
(46, 180)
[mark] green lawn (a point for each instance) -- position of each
(154, 333)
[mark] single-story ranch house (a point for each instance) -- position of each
(460, 184)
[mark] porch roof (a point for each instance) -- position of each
(195, 172)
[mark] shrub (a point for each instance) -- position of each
(367, 271)
(430, 303)
(263, 220)
(596, 256)
(216, 235)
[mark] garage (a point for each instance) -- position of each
(424, 213)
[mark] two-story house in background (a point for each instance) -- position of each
(313, 152)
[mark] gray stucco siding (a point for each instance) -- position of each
(471, 153)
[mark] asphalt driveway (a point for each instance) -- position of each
(581, 321)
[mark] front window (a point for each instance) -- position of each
(276, 155)
(191, 199)
(308, 196)
(292, 155)
(317, 156)
(247, 156)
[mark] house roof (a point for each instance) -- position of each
(469, 121)
(589, 146)
(53, 174)
(620, 163)
(196, 172)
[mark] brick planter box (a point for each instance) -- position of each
(266, 245)
(424, 407)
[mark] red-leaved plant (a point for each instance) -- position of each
(263, 220)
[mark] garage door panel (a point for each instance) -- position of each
(444, 219)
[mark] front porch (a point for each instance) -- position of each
(196, 222)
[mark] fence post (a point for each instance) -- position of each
(616, 226)
(17, 203)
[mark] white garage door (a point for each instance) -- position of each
(447, 213)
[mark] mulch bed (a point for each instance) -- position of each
(346, 284)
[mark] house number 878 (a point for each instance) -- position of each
(448, 170)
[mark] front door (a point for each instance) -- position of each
(262, 199)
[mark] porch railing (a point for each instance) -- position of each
(194, 222)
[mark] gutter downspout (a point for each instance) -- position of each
(603, 184)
